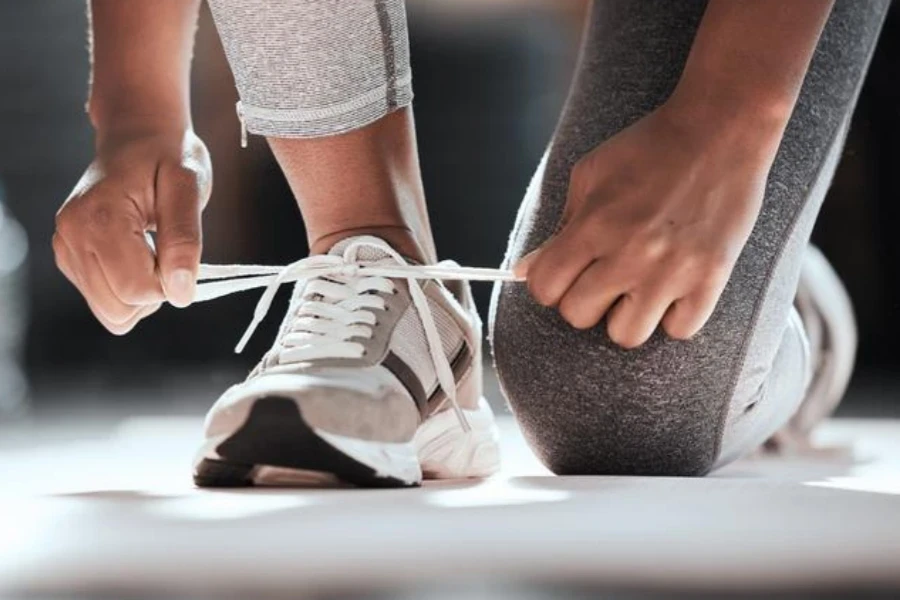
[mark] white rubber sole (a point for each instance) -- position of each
(446, 451)
(441, 449)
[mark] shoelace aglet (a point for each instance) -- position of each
(248, 333)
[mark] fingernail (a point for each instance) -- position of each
(180, 288)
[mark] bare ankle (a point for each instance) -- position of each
(400, 237)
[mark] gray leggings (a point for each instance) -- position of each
(319, 67)
(676, 407)
(308, 68)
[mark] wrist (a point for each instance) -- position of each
(120, 116)
(750, 121)
(113, 141)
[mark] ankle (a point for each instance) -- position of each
(400, 237)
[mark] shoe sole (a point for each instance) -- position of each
(275, 446)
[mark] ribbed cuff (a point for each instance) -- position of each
(329, 120)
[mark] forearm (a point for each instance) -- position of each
(141, 54)
(748, 62)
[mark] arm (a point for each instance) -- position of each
(141, 58)
(150, 171)
(657, 215)
(748, 62)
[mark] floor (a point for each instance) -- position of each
(103, 506)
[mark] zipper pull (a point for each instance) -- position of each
(240, 116)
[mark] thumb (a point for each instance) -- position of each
(178, 232)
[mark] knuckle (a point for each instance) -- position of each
(64, 222)
(180, 234)
(576, 314)
(679, 332)
(97, 216)
(628, 342)
(87, 215)
(60, 218)
(652, 250)
(684, 320)
(576, 176)
(580, 321)
(132, 290)
(541, 292)
(717, 266)
(580, 178)
(119, 329)
(63, 266)
(58, 245)
(185, 178)
(118, 316)
(592, 220)
(622, 335)
(678, 328)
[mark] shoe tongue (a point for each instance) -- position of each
(371, 248)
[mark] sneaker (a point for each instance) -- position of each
(825, 308)
(374, 378)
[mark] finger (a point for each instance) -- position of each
(129, 265)
(142, 314)
(592, 294)
(520, 269)
(687, 315)
(557, 265)
(178, 234)
(581, 176)
(63, 260)
(123, 328)
(97, 288)
(635, 316)
(73, 268)
(84, 272)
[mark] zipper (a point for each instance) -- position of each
(240, 116)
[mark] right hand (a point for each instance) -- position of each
(655, 219)
(136, 183)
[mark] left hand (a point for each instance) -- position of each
(654, 222)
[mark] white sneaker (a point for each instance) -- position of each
(374, 378)
(826, 310)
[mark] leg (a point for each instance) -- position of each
(670, 407)
(331, 103)
(364, 368)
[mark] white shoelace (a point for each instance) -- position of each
(323, 328)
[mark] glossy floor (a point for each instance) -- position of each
(106, 506)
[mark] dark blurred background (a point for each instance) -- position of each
(490, 78)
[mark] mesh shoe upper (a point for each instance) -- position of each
(354, 353)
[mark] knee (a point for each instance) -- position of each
(586, 407)
(568, 452)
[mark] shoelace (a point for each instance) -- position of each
(216, 281)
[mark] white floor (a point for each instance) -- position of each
(110, 508)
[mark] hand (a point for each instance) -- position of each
(654, 221)
(136, 183)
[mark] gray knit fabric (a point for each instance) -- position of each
(307, 68)
(670, 407)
